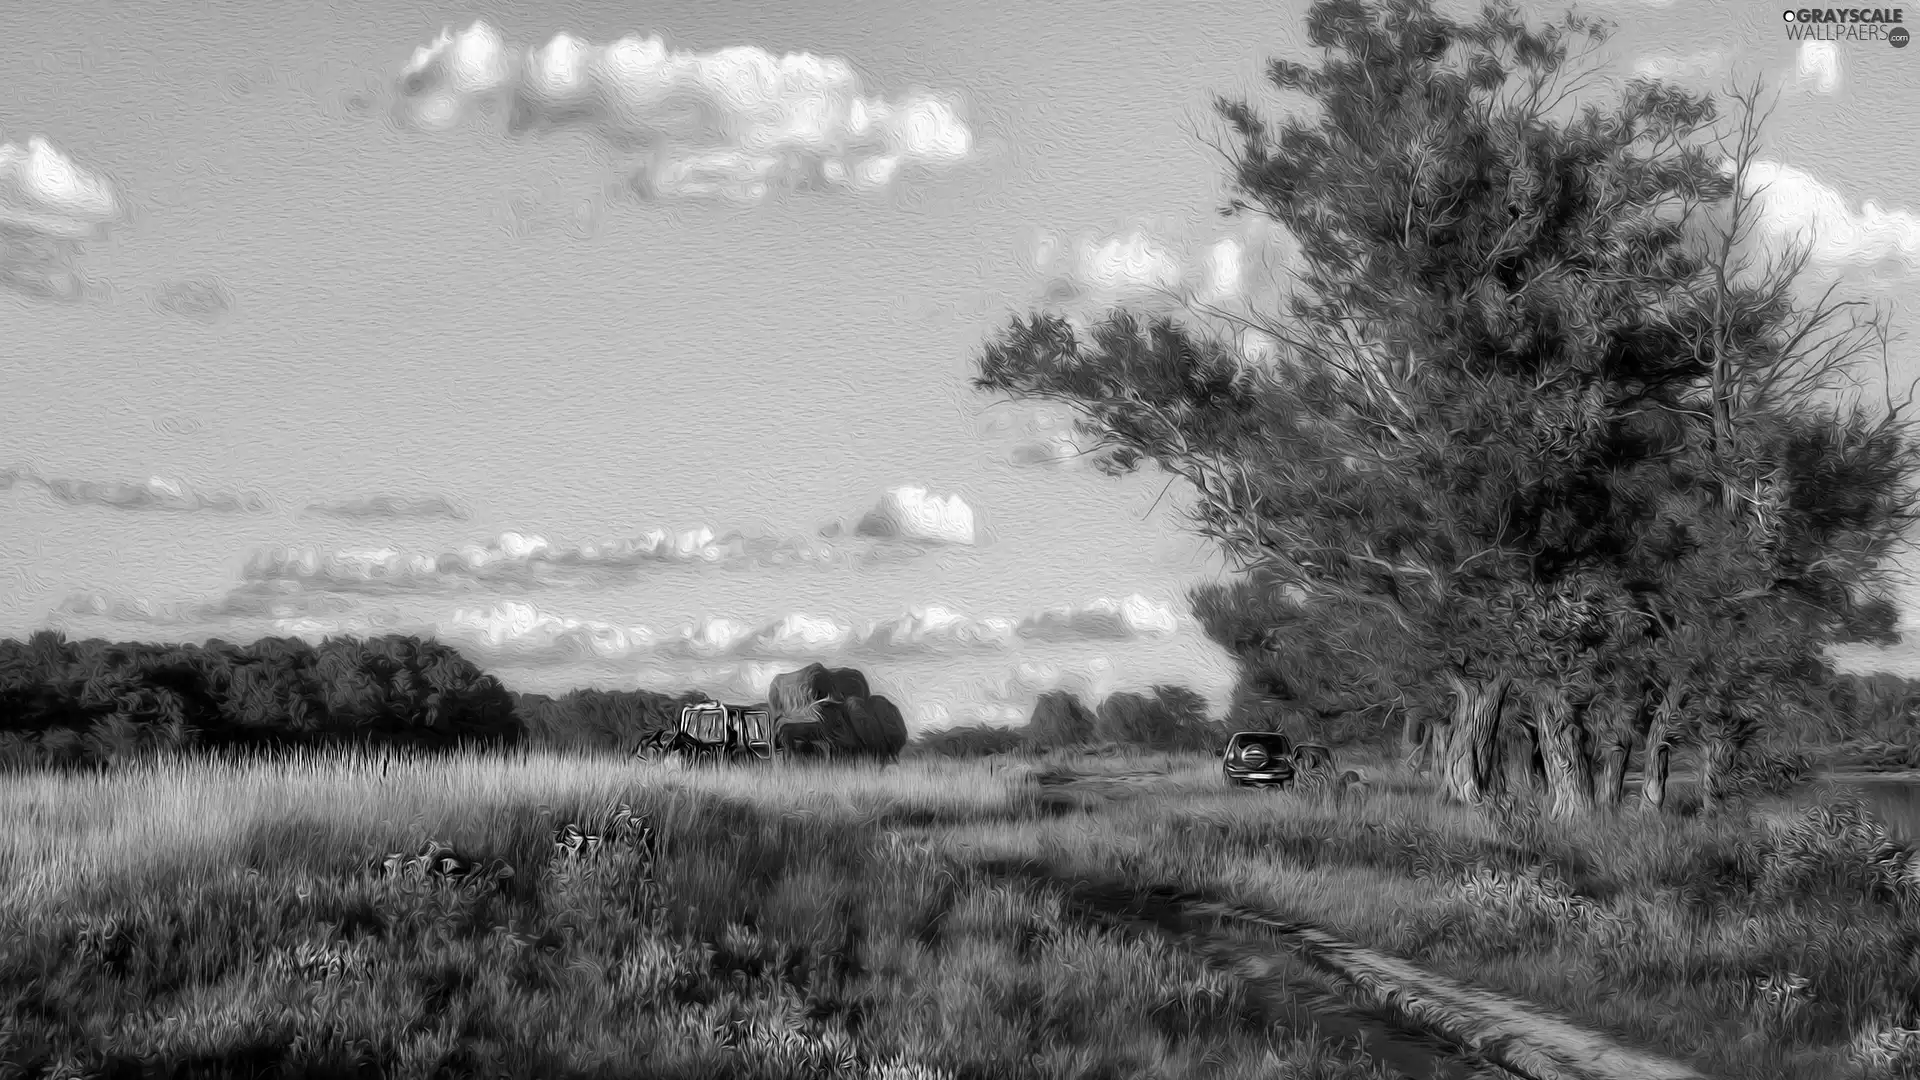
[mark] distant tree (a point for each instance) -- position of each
(1060, 720)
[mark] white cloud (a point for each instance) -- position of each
(1704, 64)
(937, 629)
(390, 507)
(1103, 620)
(1165, 270)
(1819, 65)
(739, 123)
(526, 561)
(154, 493)
(523, 633)
(246, 603)
(1793, 205)
(43, 192)
(912, 513)
(48, 206)
(1050, 439)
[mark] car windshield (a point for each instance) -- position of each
(1274, 745)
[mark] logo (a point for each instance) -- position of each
(1847, 24)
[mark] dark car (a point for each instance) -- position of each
(1258, 759)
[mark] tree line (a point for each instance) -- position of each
(1538, 462)
(94, 702)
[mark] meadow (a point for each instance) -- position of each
(364, 914)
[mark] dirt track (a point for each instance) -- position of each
(1416, 1022)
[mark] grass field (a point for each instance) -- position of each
(232, 918)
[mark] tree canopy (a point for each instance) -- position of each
(1527, 427)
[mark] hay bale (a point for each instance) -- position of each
(876, 728)
(892, 725)
(847, 683)
(794, 693)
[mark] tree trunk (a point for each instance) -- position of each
(1563, 737)
(1613, 773)
(1716, 754)
(1466, 751)
(1658, 742)
(1413, 739)
(1520, 753)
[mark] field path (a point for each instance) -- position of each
(1519, 1038)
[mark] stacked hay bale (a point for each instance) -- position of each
(832, 711)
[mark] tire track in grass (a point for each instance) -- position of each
(1404, 1013)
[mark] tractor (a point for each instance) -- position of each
(710, 733)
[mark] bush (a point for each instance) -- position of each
(972, 740)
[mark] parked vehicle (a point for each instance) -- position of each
(712, 732)
(1258, 759)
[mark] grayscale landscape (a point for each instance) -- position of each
(1339, 539)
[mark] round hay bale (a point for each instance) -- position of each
(893, 726)
(846, 684)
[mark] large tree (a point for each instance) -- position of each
(1498, 384)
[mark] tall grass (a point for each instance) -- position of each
(259, 917)
(1775, 945)
(816, 920)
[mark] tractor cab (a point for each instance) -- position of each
(711, 731)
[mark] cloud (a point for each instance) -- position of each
(154, 493)
(1103, 620)
(49, 205)
(248, 603)
(1819, 65)
(1794, 205)
(1215, 281)
(738, 123)
(517, 560)
(201, 298)
(1049, 438)
(1007, 699)
(515, 632)
(43, 192)
(1704, 64)
(912, 513)
(389, 507)
(522, 633)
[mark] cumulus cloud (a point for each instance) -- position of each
(517, 560)
(200, 298)
(1163, 269)
(49, 205)
(519, 632)
(914, 514)
(154, 493)
(1103, 620)
(1007, 698)
(1049, 437)
(1794, 206)
(739, 123)
(1818, 65)
(246, 603)
(389, 507)
(1704, 64)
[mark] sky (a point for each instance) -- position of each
(629, 346)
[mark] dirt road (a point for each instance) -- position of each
(1418, 1023)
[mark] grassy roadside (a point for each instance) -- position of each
(213, 919)
(1780, 944)
(816, 921)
